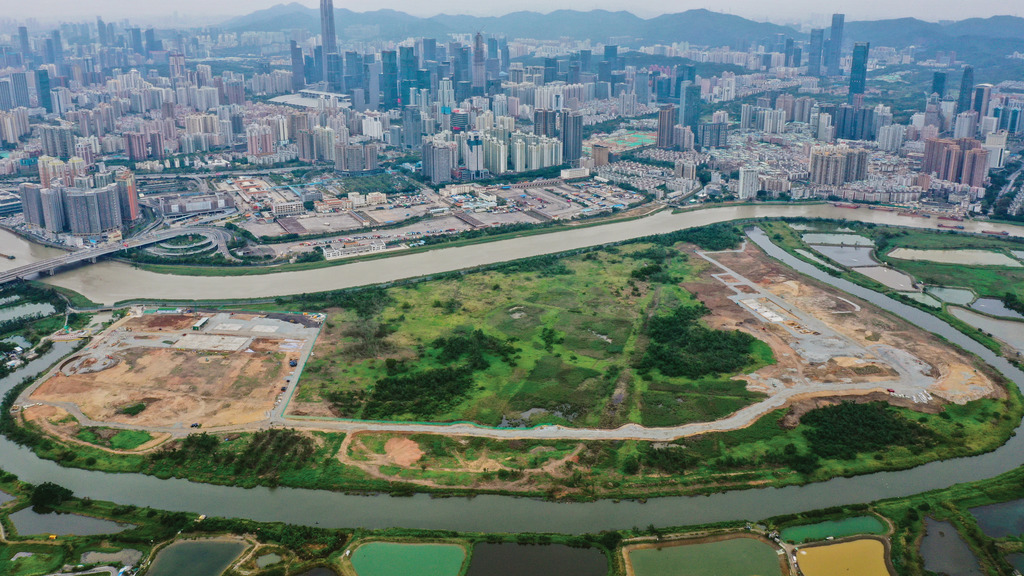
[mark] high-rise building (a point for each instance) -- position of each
(572, 136)
(749, 184)
(836, 165)
(963, 102)
(939, 84)
(814, 52)
(26, 47)
(975, 168)
(689, 104)
(328, 37)
(19, 83)
(43, 89)
(835, 45)
(32, 203)
(92, 212)
(713, 135)
(128, 196)
(982, 96)
(859, 69)
(666, 121)
(389, 78)
(54, 218)
(479, 78)
(544, 121)
(298, 67)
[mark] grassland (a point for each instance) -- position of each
(557, 340)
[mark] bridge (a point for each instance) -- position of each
(91, 255)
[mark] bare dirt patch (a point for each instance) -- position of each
(162, 322)
(402, 451)
(178, 387)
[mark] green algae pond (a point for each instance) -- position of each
(834, 528)
(739, 556)
(394, 559)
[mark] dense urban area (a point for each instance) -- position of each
(316, 292)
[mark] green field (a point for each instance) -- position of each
(393, 559)
(732, 557)
(573, 341)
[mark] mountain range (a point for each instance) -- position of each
(701, 27)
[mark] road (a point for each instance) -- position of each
(907, 385)
(93, 254)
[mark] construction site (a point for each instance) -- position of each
(831, 345)
(179, 369)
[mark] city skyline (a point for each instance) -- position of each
(795, 11)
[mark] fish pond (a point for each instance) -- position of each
(27, 522)
(892, 278)
(838, 239)
(861, 557)
(1009, 331)
(944, 551)
(1001, 520)
(835, 528)
(196, 557)
(23, 310)
(393, 559)
(521, 560)
(730, 557)
(960, 296)
(848, 255)
(995, 307)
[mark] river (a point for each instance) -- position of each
(110, 282)
(508, 514)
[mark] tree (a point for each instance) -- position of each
(48, 495)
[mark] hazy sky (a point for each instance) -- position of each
(779, 11)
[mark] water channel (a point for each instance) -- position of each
(508, 514)
(110, 282)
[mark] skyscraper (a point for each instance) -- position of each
(859, 69)
(327, 36)
(835, 45)
(814, 52)
(666, 121)
(298, 67)
(479, 71)
(43, 89)
(572, 136)
(939, 84)
(26, 48)
(982, 95)
(963, 102)
(689, 105)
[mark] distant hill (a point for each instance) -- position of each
(697, 26)
(701, 27)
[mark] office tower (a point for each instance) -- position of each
(689, 105)
(611, 55)
(152, 44)
(389, 78)
(666, 122)
(32, 203)
(859, 69)
(128, 196)
(58, 47)
(749, 184)
(835, 45)
(408, 64)
(298, 67)
(479, 78)
(135, 36)
(43, 89)
(939, 84)
(328, 38)
(334, 65)
(26, 48)
(982, 95)
(586, 63)
(572, 136)
(101, 29)
(428, 50)
(963, 102)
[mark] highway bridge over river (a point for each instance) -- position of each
(91, 255)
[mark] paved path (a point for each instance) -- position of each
(903, 386)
